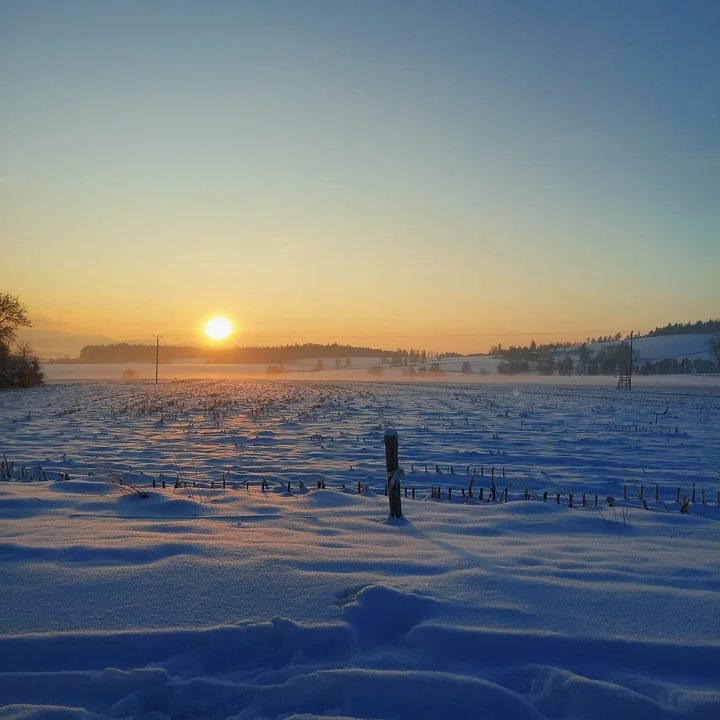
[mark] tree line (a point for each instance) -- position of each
(673, 366)
(699, 326)
(276, 355)
(541, 359)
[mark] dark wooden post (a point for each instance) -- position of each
(392, 465)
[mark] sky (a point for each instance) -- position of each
(443, 175)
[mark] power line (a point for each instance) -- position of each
(587, 333)
(672, 357)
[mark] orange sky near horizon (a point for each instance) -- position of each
(53, 337)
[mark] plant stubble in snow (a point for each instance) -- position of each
(234, 602)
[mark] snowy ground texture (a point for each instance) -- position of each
(239, 602)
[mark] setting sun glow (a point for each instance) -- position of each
(218, 328)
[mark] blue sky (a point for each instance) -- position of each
(480, 167)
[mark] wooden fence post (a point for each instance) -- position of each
(392, 467)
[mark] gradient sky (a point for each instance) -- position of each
(359, 171)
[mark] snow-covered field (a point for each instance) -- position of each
(238, 601)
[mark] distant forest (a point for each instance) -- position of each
(126, 353)
(709, 326)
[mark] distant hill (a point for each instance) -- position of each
(682, 353)
(685, 353)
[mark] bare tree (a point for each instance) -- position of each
(13, 314)
(25, 351)
(715, 348)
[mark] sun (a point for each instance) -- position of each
(218, 328)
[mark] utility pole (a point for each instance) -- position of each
(157, 355)
(631, 339)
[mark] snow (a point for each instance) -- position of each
(239, 602)
(692, 345)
